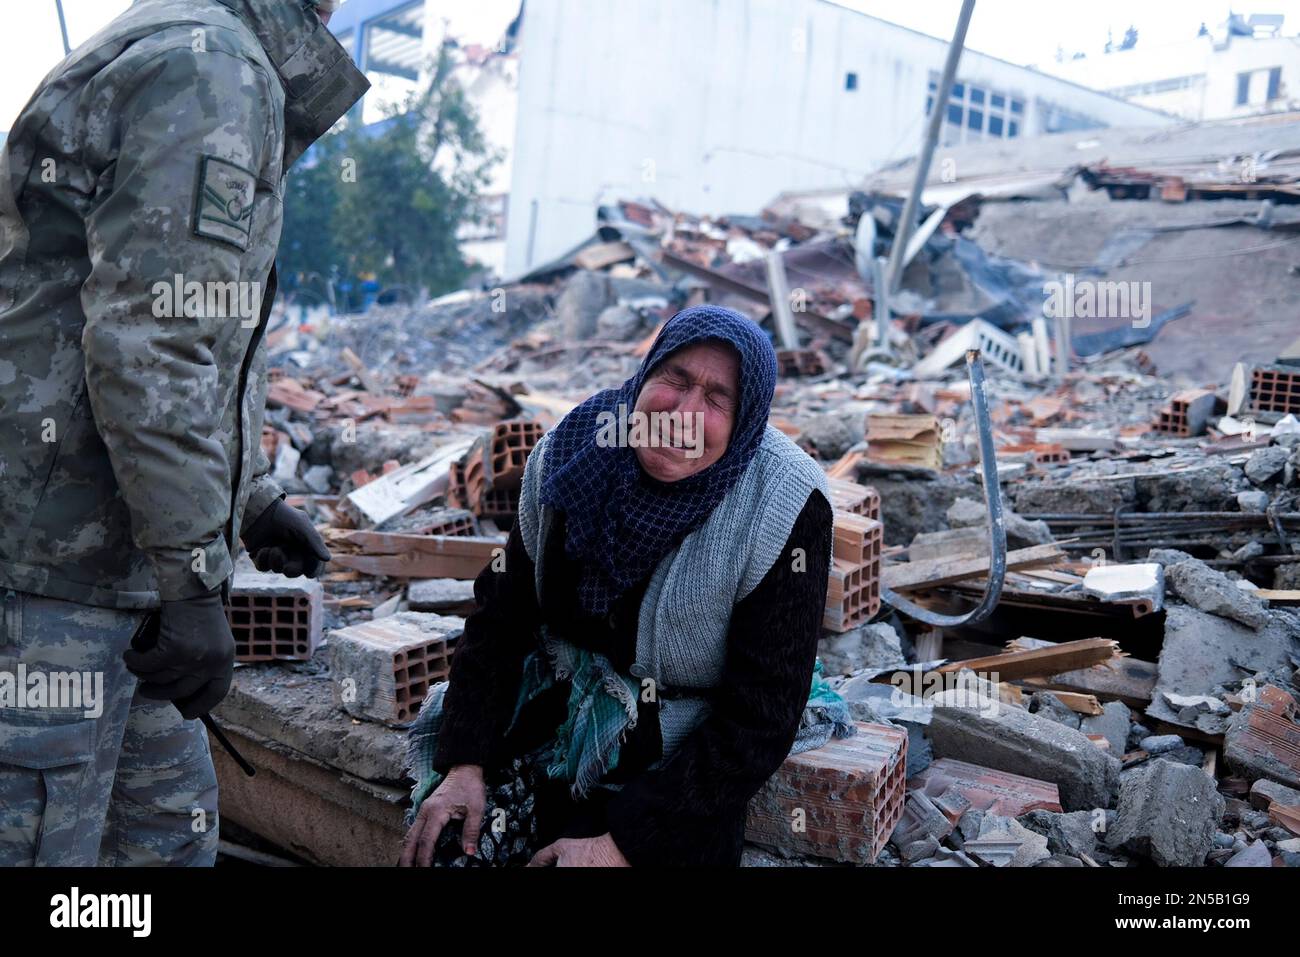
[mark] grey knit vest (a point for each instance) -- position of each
(681, 640)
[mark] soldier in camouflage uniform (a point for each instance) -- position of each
(140, 210)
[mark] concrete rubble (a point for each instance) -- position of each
(1160, 509)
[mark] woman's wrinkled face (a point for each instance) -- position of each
(690, 401)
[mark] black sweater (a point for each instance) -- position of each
(691, 811)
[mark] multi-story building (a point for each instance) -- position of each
(717, 105)
(709, 105)
(1244, 67)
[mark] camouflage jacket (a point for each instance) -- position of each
(140, 210)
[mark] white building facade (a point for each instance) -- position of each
(1213, 76)
(716, 106)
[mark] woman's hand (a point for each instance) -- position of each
(461, 795)
(581, 852)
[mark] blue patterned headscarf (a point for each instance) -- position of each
(619, 521)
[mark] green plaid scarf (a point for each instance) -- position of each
(602, 710)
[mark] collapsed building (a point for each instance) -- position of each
(1132, 697)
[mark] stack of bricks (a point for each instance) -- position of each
(384, 668)
(274, 618)
(840, 801)
(853, 594)
(1043, 453)
(1187, 413)
(792, 363)
(487, 479)
(854, 498)
(1275, 389)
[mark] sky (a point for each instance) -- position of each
(1022, 31)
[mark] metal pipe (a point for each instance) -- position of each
(907, 223)
(992, 503)
(63, 27)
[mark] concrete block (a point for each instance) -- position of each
(1264, 793)
(988, 733)
(1112, 724)
(1214, 592)
(1167, 813)
(1202, 651)
(1142, 581)
(440, 594)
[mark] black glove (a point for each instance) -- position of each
(284, 540)
(189, 658)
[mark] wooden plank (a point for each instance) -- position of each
(395, 543)
(1079, 703)
(604, 254)
(907, 576)
(1130, 680)
(1285, 815)
(363, 374)
(1065, 656)
(1277, 596)
(416, 565)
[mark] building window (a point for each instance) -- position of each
(1243, 89)
(850, 81)
(975, 112)
(1274, 83)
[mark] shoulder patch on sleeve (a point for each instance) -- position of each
(223, 206)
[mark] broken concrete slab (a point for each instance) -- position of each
(1211, 591)
(871, 646)
(1005, 842)
(1158, 744)
(1167, 813)
(1201, 711)
(1112, 724)
(1142, 581)
(1264, 793)
(1074, 833)
(1047, 705)
(985, 732)
(440, 594)
(921, 818)
(1266, 464)
(1255, 854)
(1211, 487)
(1202, 651)
(1021, 533)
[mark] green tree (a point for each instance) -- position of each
(389, 199)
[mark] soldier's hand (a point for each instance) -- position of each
(192, 662)
(284, 540)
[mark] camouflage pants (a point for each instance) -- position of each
(133, 785)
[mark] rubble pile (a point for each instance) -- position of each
(1131, 700)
